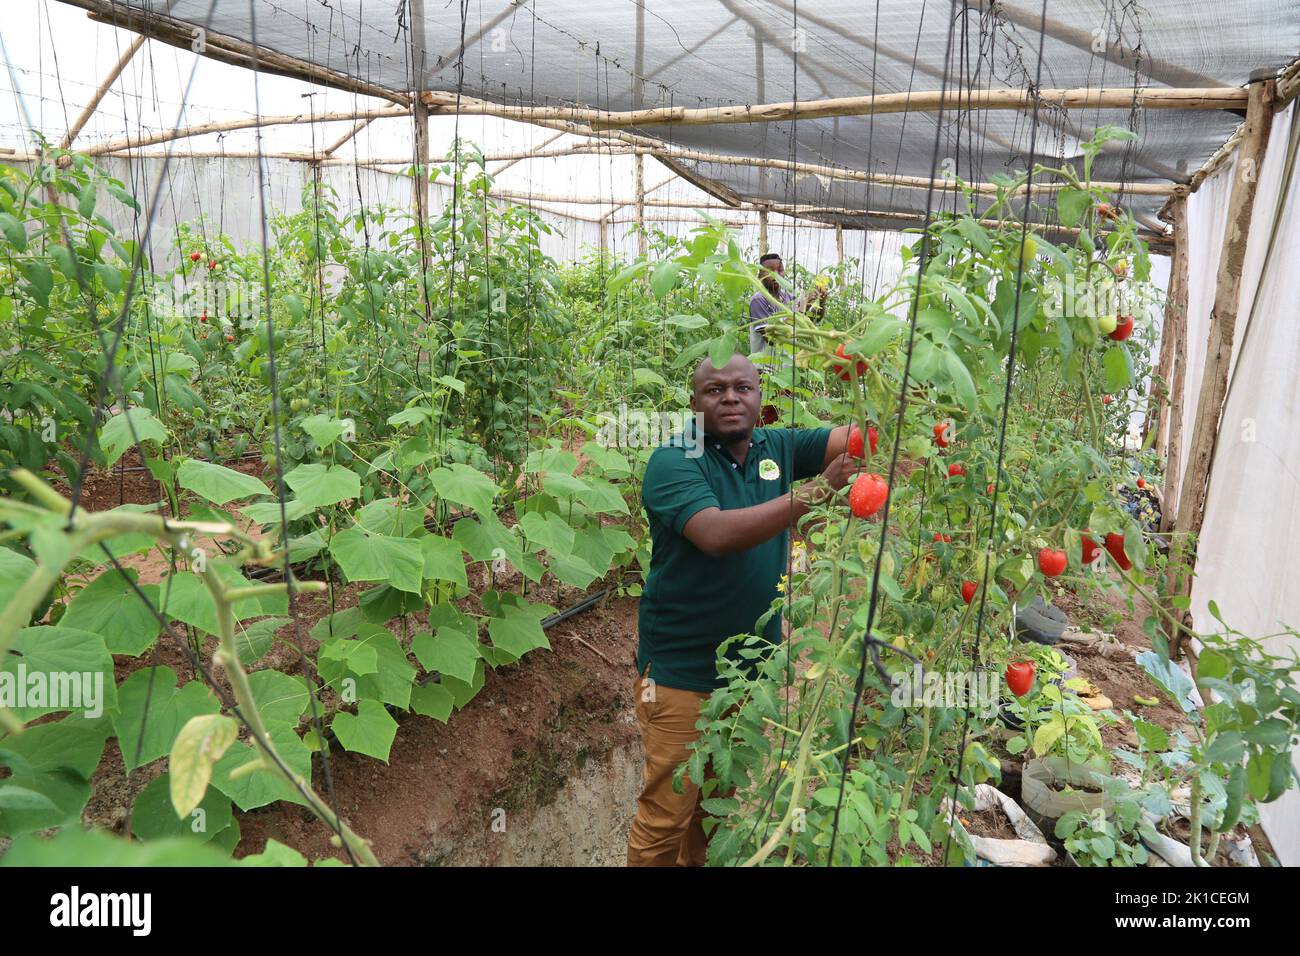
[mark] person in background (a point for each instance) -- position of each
(767, 303)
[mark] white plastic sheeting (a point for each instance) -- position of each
(1246, 564)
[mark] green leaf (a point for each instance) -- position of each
(369, 731)
(1071, 204)
(169, 710)
(153, 817)
(281, 698)
(319, 485)
(15, 569)
(116, 435)
(1169, 678)
(962, 383)
(450, 651)
(217, 483)
(186, 598)
(108, 606)
(464, 485)
(198, 747)
(324, 430)
(444, 560)
(432, 700)
(721, 349)
(252, 641)
(519, 630)
(54, 761)
(76, 847)
(14, 231)
(376, 557)
(664, 278)
(55, 669)
(975, 234)
(275, 854)
(1117, 365)
(262, 786)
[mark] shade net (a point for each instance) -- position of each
(627, 54)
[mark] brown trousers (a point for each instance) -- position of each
(668, 827)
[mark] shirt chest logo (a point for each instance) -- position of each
(768, 470)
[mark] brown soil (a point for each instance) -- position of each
(512, 747)
(1180, 828)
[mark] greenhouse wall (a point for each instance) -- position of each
(1253, 505)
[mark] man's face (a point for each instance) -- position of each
(727, 398)
(769, 270)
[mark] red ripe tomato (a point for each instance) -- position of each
(1124, 329)
(212, 263)
(1051, 562)
(868, 494)
(855, 444)
(989, 490)
(843, 370)
(956, 470)
(945, 538)
(204, 316)
(942, 433)
(968, 589)
(1115, 547)
(230, 338)
(195, 256)
(1107, 399)
(1106, 211)
(1142, 483)
(1089, 549)
(1020, 677)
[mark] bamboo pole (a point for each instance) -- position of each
(93, 103)
(1172, 356)
(638, 179)
(223, 126)
(227, 49)
(542, 145)
(828, 172)
(1223, 324)
(926, 101)
(360, 125)
(762, 231)
(839, 244)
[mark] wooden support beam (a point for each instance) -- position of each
(930, 101)
(510, 162)
(224, 126)
(762, 231)
(419, 118)
(1172, 362)
(1223, 325)
(839, 244)
(664, 154)
(93, 103)
(342, 141)
(638, 179)
(227, 49)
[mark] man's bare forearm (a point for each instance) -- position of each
(717, 532)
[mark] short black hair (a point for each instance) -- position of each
(767, 257)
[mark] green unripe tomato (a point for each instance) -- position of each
(1106, 324)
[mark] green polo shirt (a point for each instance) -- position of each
(693, 602)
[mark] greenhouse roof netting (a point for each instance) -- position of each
(675, 55)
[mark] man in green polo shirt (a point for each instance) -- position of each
(720, 507)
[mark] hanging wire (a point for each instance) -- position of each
(870, 644)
